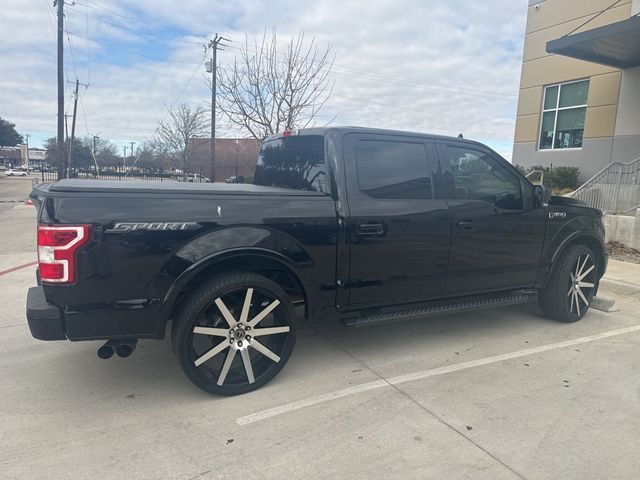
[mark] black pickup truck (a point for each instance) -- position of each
(354, 224)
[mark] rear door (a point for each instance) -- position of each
(497, 235)
(397, 233)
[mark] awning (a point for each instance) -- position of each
(616, 44)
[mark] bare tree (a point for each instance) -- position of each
(184, 123)
(266, 91)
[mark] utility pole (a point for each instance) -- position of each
(60, 151)
(212, 68)
(124, 157)
(73, 126)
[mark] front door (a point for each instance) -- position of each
(497, 235)
(397, 233)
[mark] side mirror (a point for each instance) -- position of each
(541, 196)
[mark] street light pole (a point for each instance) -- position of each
(26, 136)
(93, 153)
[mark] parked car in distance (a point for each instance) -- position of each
(12, 172)
(234, 179)
(192, 178)
(358, 225)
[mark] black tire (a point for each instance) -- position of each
(202, 350)
(565, 297)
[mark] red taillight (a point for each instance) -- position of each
(57, 247)
(289, 133)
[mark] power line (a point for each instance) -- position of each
(84, 114)
(99, 7)
(118, 47)
(88, 47)
(51, 23)
(592, 18)
(375, 76)
(136, 32)
(73, 60)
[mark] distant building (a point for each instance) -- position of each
(17, 156)
(36, 156)
(579, 102)
(10, 156)
(235, 157)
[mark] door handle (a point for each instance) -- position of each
(370, 229)
(468, 225)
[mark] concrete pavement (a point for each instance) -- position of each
(13, 190)
(494, 394)
(622, 278)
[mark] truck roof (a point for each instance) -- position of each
(341, 130)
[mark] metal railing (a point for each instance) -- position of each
(532, 175)
(124, 174)
(614, 189)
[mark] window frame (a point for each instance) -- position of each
(556, 109)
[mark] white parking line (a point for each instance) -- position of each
(410, 377)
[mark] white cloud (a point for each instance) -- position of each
(441, 67)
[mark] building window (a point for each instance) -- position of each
(563, 112)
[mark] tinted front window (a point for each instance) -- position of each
(477, 176)
(293, 162)
(394, 170)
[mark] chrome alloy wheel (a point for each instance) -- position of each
(581, 284)
(247, 321)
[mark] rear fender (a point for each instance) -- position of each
(214, 248)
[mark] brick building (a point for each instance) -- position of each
(234, 157)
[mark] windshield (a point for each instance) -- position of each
(292, 162)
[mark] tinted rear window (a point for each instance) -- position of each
(392, 169)
(293, 162)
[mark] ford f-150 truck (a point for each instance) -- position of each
(358, 225)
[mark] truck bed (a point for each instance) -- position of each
(168, 187)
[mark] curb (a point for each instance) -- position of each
(604, 304)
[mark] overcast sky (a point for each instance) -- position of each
(431, 66)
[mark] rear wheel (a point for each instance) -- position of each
(234, 333)
(572, 285)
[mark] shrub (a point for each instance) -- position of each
(560, 178)
(565, 177)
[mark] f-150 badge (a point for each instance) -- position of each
(557, 215)
(153, 227)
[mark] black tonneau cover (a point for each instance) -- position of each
(171, 187)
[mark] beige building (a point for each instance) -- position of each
(579, 102)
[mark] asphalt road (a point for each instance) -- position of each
(495, 394)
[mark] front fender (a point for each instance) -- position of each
(586, 228)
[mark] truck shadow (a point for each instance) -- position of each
(152, 371)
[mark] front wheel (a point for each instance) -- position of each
(235, 333)
(572, 285)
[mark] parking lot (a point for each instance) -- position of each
(495, 394)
